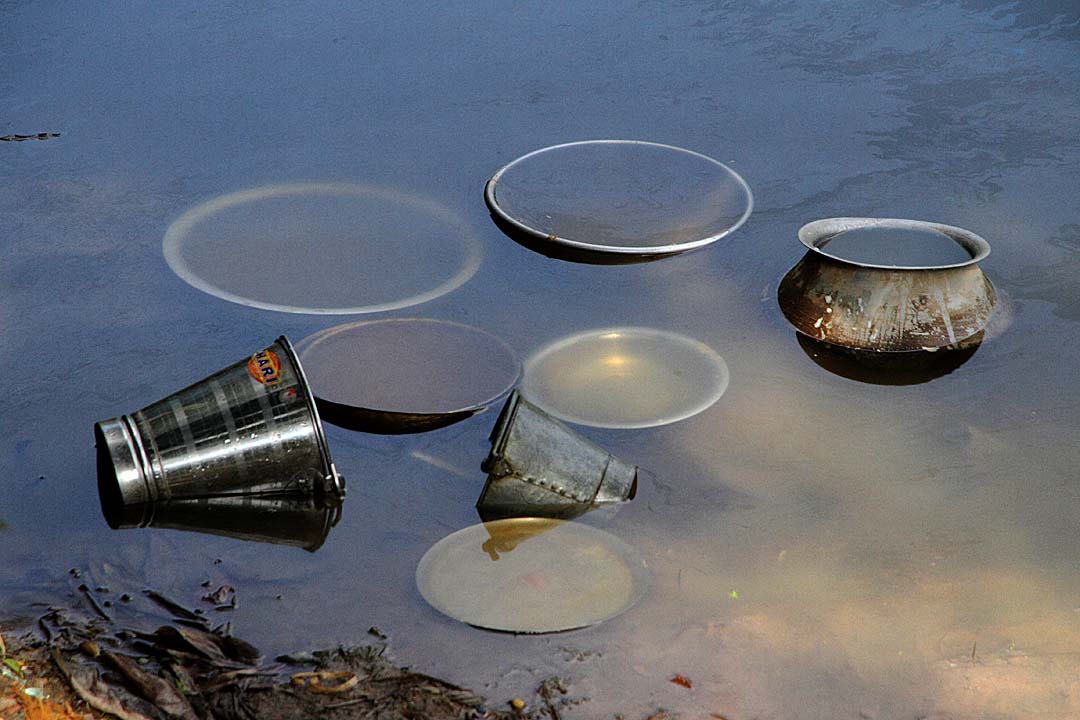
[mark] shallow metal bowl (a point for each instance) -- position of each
(886, 308)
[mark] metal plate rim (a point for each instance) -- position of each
(646, 251)
(179, 227)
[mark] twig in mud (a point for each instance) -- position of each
(34, 136)
(93, 602)
(45, 630)
(345, 703)
(545, 695)
(175, 608)
(973, 644)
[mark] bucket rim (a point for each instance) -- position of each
(329, 470)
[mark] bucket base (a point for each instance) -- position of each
(121, 478)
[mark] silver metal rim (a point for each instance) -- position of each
(329, 471)
(813, 235)
(493, 205)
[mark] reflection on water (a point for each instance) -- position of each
(625, 378)
(1059, 282)
(531, 575)
(281, 520)
(568, 253)
(908, 368)
(322, 248)
(899, 533)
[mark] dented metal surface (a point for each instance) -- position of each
(886, 308)
(539, 467)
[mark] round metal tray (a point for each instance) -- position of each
(406, 375)
(626, 198)
(532, 575)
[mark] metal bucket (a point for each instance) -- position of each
(886, 308)
(540, 468)
(250, 429)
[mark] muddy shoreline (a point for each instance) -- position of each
(107, 654)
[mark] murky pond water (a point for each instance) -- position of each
(820, 547)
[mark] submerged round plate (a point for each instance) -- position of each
(412, 374)
(531, 575)
(619, 196)
(325, 248)
(625, 378)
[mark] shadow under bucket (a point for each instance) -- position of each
(250, 429)
(299, 521)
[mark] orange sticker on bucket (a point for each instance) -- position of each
(265, 366)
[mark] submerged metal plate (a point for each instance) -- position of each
(625, 197)
(325, 248)
(625, 378)
(531, 575)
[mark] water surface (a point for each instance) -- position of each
(820, 547)
(905, 247)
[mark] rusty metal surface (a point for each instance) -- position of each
(886, 309)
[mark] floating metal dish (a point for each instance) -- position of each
(322, 248)
(532, 575)
(625, 377)
(616, 201)
(884, 307)
(406, 375)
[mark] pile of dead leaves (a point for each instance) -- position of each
(81, 663)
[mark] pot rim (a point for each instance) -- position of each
(815, 234)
